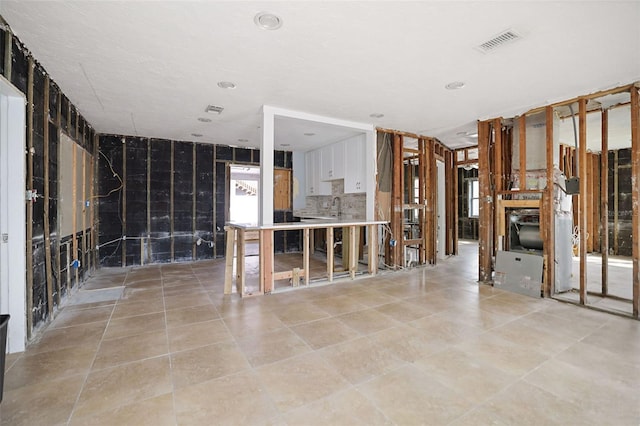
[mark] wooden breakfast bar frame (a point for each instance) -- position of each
(235, 248)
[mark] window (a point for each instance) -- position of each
(474, 198)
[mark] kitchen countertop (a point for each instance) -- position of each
(317, 222)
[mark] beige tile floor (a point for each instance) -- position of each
(423, 346)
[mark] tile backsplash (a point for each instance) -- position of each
(353, 205)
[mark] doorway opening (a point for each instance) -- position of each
(12, 214)
(244, 193)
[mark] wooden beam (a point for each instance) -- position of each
(228, 258)
(353, 252)
(522, 136)
(454, 195)
(397, 201)
(485, 232)
(29, 230)
(93, 213)
(172, 202)
(330, 256)
(604, 202)
(124, 203)
(594, 95)
(266, 259)
(422, 189)
(305, 254)
(372, 241)
(549, 242)
(193, 203)
(46, 194)
(616, 196)
(635, 191)
(583, 198)
(240, 269)
(58, 233)
(590, 201)
(74, 209)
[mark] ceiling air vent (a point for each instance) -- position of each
(505, 37)
(214, 109)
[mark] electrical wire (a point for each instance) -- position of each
(116, 175)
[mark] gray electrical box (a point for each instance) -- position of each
(519, 272)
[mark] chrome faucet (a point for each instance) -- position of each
(336, 200)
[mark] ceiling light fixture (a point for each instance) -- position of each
(204, 119)
(285, 144)
(226, 85)
(309, 134)
(376, 115)
(454, 85)
(267, 21)
(243, 140)
(196, 135)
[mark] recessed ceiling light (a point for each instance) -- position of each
(243, 140)
(196, 135)
(309, 134)
(226, 85)
(204, 119)
(454, 85)
(376, 115)
(267, 21)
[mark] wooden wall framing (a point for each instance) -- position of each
(423, 161)
(591, 206)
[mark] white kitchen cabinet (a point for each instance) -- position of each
(355, 175)
(332, 162)
(313, 184)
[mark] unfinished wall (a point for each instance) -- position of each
(467, 226)
(620, 203)
(48, 113)
(158, 198)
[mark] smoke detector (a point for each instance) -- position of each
(214, 109)
(505, 37)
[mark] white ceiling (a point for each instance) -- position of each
(150, 68)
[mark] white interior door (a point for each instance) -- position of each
(442, 212)
(12, 214)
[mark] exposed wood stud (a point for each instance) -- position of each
(74, 218)
(171, 199)
(213, 210)
(46, 195)
(522, 135)
(124, 204)
(29, 230)
(193, 202)
(604, 202)
(485, 232)
(240, 265)
(58, 234)
(583, 198)
(396, 202)
(229, 254)
(8, 44)
(616, 246)
(330, 254)
(148, 244)
(549, 242)
(305, 255)
(635, 190)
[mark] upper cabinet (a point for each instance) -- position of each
(332, 162)
(355, 174)
(313, 183)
